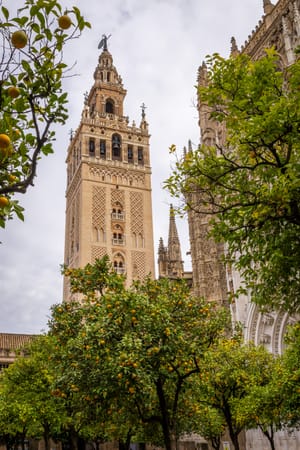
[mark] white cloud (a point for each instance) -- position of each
(157, 47)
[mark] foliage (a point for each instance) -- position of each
(37, 101)
(291, 378)
(248, 181)
(27, 406)
(209, 423)
(130, 355)
(230, 372)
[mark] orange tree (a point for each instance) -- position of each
(132, 354)
(208, 423)
(28, 408)
(291, 377)
(230, 372)
(249, 181)
(265, 403)
(32, 98)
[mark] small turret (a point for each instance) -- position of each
(234, 51)
(268, 6)
(144, 123)
(162, 259)
(202, 74)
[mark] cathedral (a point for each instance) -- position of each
(278, 28)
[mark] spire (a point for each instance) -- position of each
(162, 259)
(175, 263)
(161, 247)
(234, 51)
(107, 94)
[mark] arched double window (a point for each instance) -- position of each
(117, 212)
(119, 263)
(118, 235)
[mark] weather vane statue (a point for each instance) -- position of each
(103, 42)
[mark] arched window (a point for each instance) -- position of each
(102, 235)
(130, 153)
(102, 149)
(134, 240)
(96, 234)
(109, 106)
(117, 235)
(119, 263)
(140, 155)
(140, 241)
(117, 212)
(116, 147)
(92, 147)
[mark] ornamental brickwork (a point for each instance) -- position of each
(109, 205)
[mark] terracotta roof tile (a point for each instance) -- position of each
(13, 341)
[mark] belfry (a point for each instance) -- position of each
(108, 197)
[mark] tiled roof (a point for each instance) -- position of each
(13, 341)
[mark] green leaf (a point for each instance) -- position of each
(5, 12)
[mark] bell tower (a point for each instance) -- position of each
(108, 196)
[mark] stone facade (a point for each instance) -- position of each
(278, 28)
(109, 206)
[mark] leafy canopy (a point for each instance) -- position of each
(130, 355)
(248, 181)
(32, 98)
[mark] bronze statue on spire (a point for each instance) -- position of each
(103, 42)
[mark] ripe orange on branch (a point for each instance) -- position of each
(3, 202)
(13, 91)
(19, 39)
(12, 178)
(64, 22)
(4, 141)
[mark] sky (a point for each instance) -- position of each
(157, 47)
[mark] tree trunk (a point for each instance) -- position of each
(164, 416)
(215, 442)
(270, 436)
(235, 442)
(234, 435)
(46, 436)
(125, 445)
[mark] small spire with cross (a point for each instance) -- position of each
(143, 108)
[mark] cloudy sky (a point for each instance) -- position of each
(157, 47)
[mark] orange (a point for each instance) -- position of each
(64, 22)
(12, 178)
(3, 202)
(13, 91)
(4, 141)
(19, 39)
